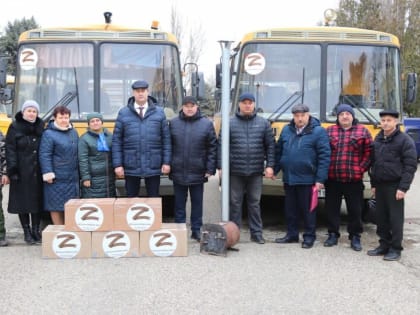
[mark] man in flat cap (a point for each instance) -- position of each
(351, 153)
(393, 169)
(141, 143)
(251, 156)
(194, 146)
(303, 154)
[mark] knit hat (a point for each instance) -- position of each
(30, 103)
(94, 115)
(345, 108)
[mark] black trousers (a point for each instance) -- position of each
(353, 196)
(389, 216)
(132, 185)
(296, 205)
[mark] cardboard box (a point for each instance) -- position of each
(138, 214)
(115, 244)
(170, 240)
(59, 243)
(96, 214)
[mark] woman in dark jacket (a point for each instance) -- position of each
(95, 163)
(59, 164)
(194, 151)
(22, 144)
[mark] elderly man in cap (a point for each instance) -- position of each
(351, 150)
(393, 169)
(141, 143)
(194, 146)
(303, 154)
(251, 155)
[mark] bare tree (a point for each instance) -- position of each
(191, 39)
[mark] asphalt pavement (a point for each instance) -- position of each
(257, 279)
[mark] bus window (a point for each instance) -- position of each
(364, 77)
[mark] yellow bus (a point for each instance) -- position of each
(92, 68)
(321, 67)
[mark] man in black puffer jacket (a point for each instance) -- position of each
(194, 146)
(393, 169)
(251, 149)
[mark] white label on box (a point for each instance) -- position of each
(140, 217)
(66, 244)
(163, 243)
(89, 217)
(116, 244)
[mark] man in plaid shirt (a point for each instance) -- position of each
(351, 150)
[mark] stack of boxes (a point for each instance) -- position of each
(108, 227)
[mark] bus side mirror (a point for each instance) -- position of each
(3, 72)
(197, 85)
(411, 91)
(219, 75)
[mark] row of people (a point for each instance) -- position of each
(144, 145)
(311, 157)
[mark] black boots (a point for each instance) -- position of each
(332, 240)
(355, 243)
(27, 236)
(36, 234)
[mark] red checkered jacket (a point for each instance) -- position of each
(351, 153)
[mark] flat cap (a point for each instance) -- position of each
(140, 84)
(300, 108)
(189, 99)
(389, 112)
(247, 96)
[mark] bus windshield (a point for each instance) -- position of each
(321, 76)
(53, 73)
(280, 75)
(365, 77)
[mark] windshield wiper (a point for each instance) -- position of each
(292, 99)
(65, 100)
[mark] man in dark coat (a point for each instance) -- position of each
(393, 169)
(194, 146)
(22, 144)
(251, 156)
(303, 154)
(141, 143)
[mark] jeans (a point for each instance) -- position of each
(297, 203)
(196, 195)
(132, 185)
(252, 187)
